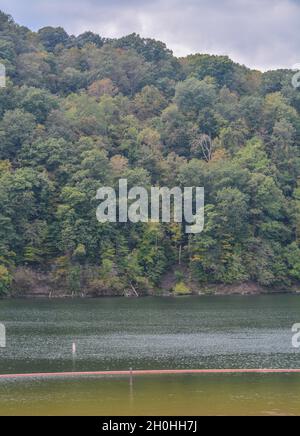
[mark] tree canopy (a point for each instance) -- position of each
(82, 112)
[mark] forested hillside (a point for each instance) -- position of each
(82, 112)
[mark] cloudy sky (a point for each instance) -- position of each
(262, 34)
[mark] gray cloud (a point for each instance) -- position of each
(259, 33)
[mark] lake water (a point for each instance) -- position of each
(151, 333)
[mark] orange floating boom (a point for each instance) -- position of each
(149, 372)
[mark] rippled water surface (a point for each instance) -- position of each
(150, 333)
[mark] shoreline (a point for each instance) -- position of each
(38, 286)
(29, 284)
(36, 296)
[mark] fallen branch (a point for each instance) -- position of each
(134, 290)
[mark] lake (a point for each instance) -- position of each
(151, 333)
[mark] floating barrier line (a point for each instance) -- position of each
(149, 372)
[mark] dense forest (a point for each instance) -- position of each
(82, 112)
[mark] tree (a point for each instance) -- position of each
(37, 102)
(174, 131)
(203, 146)
(128, 71)
(232, 210)
(51, 37)
(16, 128)
(150, 252)
(219, 67)
(292, 255)
(72, 80)
(150, 49)
(234, 137)
(34, 69)
(102, 87)
(285, 154)
(89, 38)
(193, 95)
(149, 103)
(5, 280)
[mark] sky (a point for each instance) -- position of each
(262, 34)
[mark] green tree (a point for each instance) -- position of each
(193, 95)
(50, 37)
(16, 128)
(5, 280)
